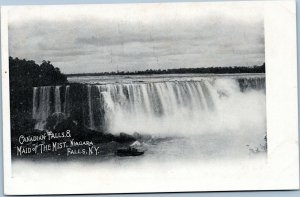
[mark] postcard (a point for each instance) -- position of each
(149, 97)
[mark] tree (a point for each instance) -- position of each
(23, 76)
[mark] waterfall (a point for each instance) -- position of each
(137, 107)
(167, 107)
(57, 99)
(157, 99)
(67, 101)
(91, 117)
(35, 103)
(41, 106)
(251, 83)
(46, 101)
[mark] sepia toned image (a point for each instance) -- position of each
(115, 92)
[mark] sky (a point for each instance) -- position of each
(130, 37)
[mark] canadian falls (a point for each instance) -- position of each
(183, 107)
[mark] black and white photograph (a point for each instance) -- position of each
(117, 92)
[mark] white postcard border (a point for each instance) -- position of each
(279, 173)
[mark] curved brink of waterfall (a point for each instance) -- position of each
(160, 108)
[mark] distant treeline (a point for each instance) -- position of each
(206, 70)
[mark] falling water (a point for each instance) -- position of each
(57, 99)
(35, 103)
(163, 107)
(177, 107)
(41, 106)
(67, 101)
(46, 101)
(91, 118)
